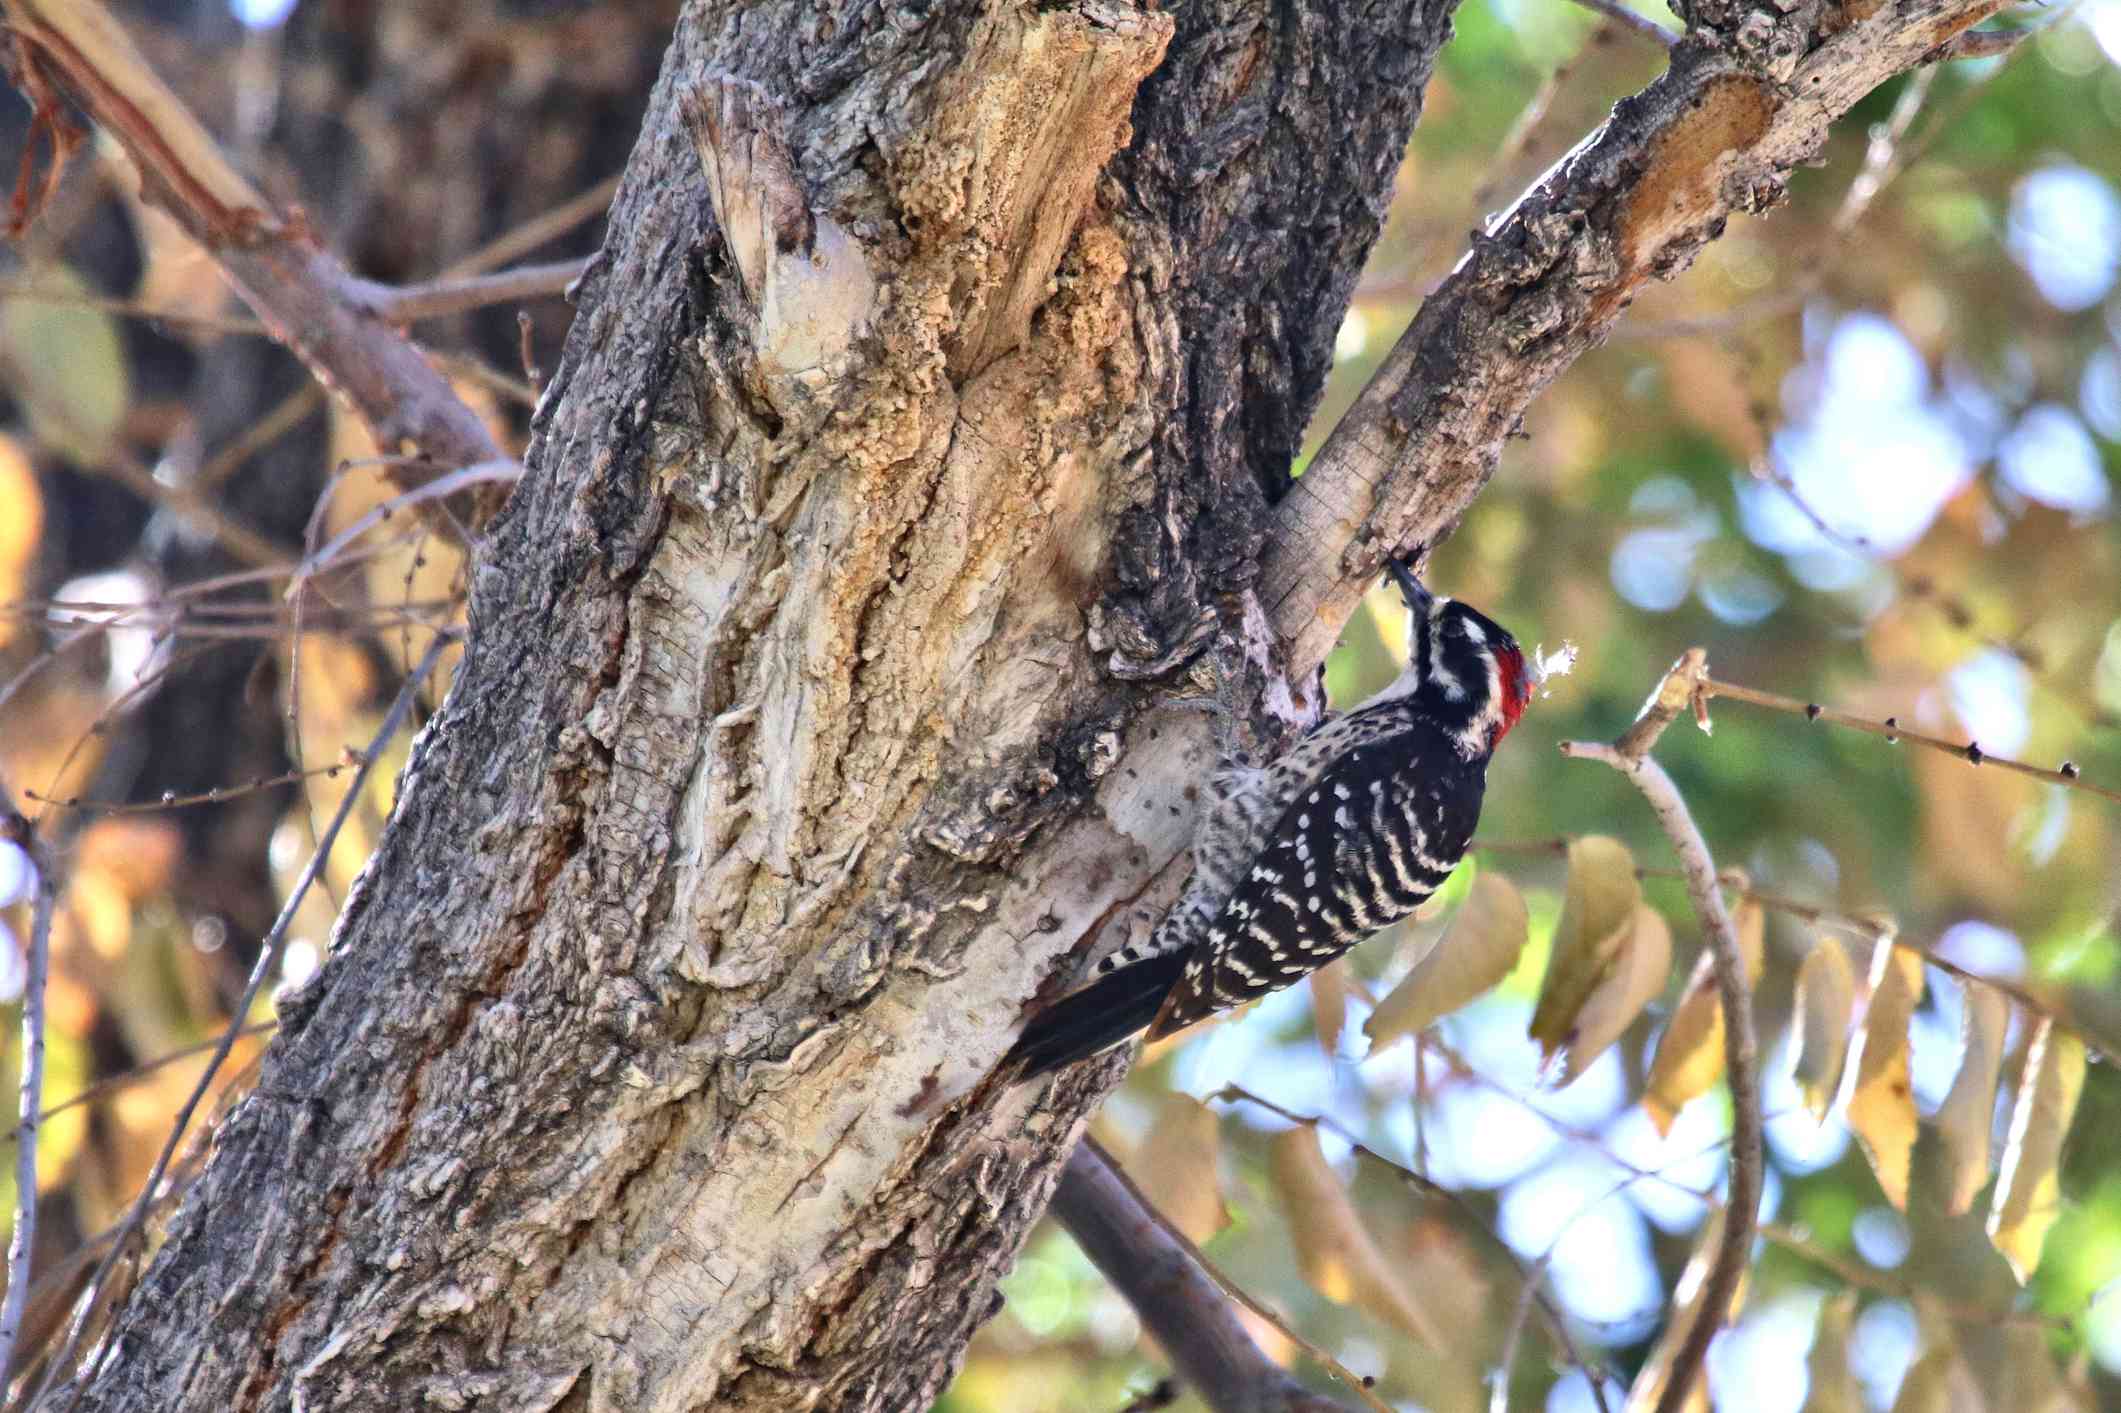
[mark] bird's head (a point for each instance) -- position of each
(1463, 668)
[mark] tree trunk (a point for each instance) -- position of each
(857, 551)
(816, 717)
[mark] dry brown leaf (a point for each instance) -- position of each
(1177, 1166)
(1637, 977)
(2029, 1379)
(1329, 1005)
(1826, 1003)
(1474, 954)
(1834, 1387)
(2028, 1188)
(1333, 1247)
(1689, 1059)
(1597, 918)
(1967, 815)
(1969, 1111)
(1881, 1108)
(1939, 1383)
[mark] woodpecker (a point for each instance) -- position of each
(1297, 861)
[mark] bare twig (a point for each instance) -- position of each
(1633, 23)
(268, 958)
(584, 206)
(21, 1247)
(171, 800)
(502, 471)
(1630, 756)
(1182, 1299)
(1890, 730)
(283, 418)
(1673, 695)
(405, 304)
(112, 1083)
(527, 350)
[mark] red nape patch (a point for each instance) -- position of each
(1516, 687)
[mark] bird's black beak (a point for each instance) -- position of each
(1418, 599)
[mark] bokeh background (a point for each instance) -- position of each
(1864, 453)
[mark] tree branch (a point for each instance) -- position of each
(1179, 1301)
(405, 304)
(1630, 756)
(304, 296)
(1890, 729)
(1630, 21)
(1718, 133)
(21, 1247)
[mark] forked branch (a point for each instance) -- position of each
(1631, 757)
(305, 297)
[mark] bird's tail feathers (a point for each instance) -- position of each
(1103, 1014)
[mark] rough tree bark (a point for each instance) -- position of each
(816, 714)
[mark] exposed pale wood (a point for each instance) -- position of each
(1748, 97)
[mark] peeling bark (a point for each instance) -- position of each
(816, 715)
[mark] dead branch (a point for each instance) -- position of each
(2066, 775)
(1717, 134)
(21, 1246)
(1631, 757)
(305, 297)
(1170, 1287)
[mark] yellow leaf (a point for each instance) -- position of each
(99, 912)
(1689, 1058)
(1329, 1005)
(21, 523)
(67, 362)
(1474, 954)
(1597, 918)
(1881, 1111)
(1177, 1166)
(1637, 977)
(1749, 920)
(137, 852)
(1826, 1002)
(1969, 1111)
(2029, 1189)
(1333, 1247)
(1834, 1388)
